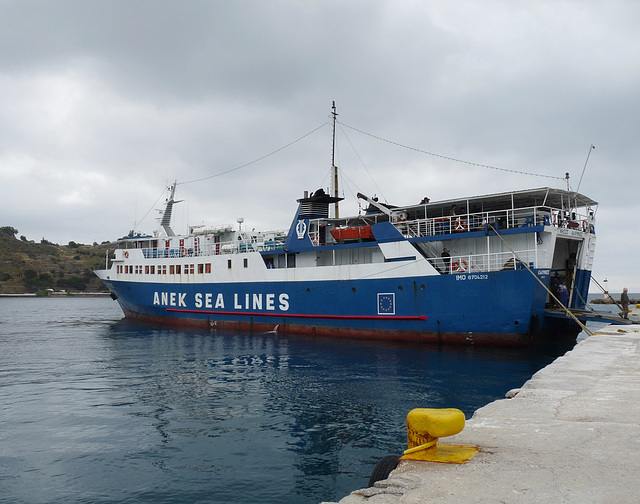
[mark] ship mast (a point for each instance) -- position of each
(165, 219)
(334, 168)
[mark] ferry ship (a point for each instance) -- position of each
(486, 270)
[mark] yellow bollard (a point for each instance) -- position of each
(425, 426)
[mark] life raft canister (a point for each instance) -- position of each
(460, 224)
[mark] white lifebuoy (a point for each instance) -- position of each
(461, 224)
(126, 254)
(460, 266)
(401, 217)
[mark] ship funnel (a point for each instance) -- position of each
(316, 206)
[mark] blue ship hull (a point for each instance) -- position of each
(494, 308)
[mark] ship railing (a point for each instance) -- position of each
(500, 219)
(483, 263)
(210, 249)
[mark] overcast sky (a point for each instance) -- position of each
(104, 103)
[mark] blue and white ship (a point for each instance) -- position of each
(511, 260)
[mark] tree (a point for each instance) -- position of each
(9, 231)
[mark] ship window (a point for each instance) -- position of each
(178, 269)
(200, 268)
(172, 269)
(246, 262)
(146, 269)
(291, 260)
(207, 268)
(229, 263)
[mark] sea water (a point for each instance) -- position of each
(95, 409)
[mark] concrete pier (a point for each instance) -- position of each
(571, 434)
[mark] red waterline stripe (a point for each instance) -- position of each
(343, 317)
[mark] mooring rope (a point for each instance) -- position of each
(567, 311)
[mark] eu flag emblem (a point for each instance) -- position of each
(387, 303)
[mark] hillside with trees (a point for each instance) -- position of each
(29, 267)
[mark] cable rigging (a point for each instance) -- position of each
(255, 160)
(447, 157)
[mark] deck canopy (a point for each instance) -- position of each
(544, 196)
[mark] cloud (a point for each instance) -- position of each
(104, 103)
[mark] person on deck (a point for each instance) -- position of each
(624, 301)
(563, 294)
(446, 259)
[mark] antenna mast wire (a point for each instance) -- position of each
(255, 160)
(449, 158)
(585, 166)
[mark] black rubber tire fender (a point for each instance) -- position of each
(383, 468)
